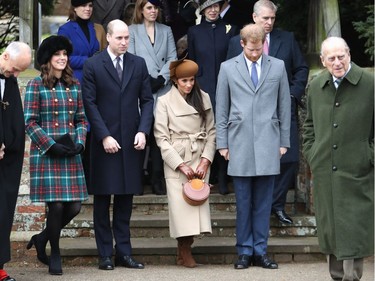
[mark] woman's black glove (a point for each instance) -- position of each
(59, 150)
(78, 149)
(156, 83)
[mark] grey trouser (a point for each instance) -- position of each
(345, 270)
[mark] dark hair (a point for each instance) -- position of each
(195, 100)
(72, 14)
(49, 80)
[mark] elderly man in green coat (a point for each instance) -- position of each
(338, 142)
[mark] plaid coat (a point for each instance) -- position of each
(50, 114)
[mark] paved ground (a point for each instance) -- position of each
(286, 272)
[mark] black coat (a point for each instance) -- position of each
(239, 12)
(117, 109)
(207, 46)
(12, 134)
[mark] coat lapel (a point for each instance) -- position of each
(274, 43)
(244, 72)
(146, 42)
(178, 104)
(92, 37)
(159, 39)
(266, 66)
(128, 70)
(81, 36)
(108, 65)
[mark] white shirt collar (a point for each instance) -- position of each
(113, 56)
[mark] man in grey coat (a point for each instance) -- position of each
(252, 132)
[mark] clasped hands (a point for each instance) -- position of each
(61, 150)
(200, 172)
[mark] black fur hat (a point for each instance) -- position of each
(51, 45)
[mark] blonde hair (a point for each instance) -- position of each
(253, 33)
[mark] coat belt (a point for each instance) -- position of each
(193, 143)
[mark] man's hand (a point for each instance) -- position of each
(2, 152)
(110, 145)
(140, 141)
(283, 150)
(225, 153)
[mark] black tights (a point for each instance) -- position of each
(59, 215)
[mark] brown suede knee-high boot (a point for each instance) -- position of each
(185, 251)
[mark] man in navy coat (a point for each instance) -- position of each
(119, 106)
(282, 45)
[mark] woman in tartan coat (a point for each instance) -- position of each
(53, 108)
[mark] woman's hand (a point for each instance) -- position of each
(202, 168)
(187, 171)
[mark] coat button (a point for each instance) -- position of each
(71, 124)
(334, 146)
(337, 104)
(71, 112)
(334, 168)
(56, 100)
(70, 100)
(56, 113)
(335, 125)
(56, 124)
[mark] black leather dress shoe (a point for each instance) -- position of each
(105, 263)
(283, 217)
(265, 262)
(242, 262)
(8, 278)
(127, 261)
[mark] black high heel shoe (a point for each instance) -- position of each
(55, 265)
(40, 250)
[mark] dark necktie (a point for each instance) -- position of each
(118, 68)
(254, 74)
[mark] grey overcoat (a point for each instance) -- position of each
(253, 123)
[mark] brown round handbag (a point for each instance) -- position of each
(195, 191)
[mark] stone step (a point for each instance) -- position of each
(151, 203)
(154, 225)
(212, 250)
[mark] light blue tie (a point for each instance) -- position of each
(338, 82)
(254, 74)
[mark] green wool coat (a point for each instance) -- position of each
(338, 143)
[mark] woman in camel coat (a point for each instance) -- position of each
(184, 131)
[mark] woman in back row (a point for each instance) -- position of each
(154, 42)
